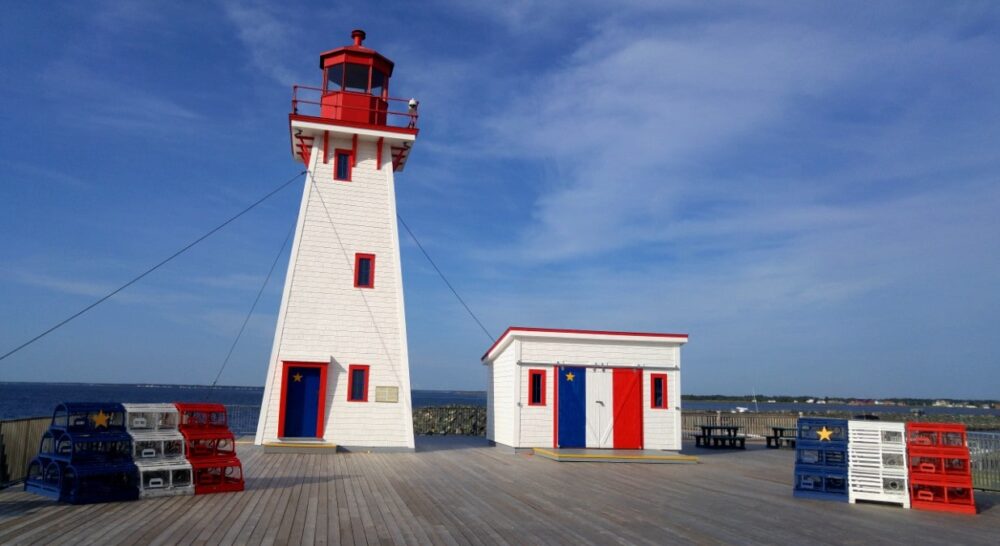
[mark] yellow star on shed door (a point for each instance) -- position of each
(570, 376)
(824, 434)
(100, 419)
(297, 377)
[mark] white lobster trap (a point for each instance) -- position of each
(163, 445)
(877, 471)
(151, 417)
(164, 478)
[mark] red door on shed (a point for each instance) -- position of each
(628, 408)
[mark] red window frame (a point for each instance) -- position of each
(320, 411)
(531, 379)
(652, 391)
(350, 382)
(336, 163)
(371, 270)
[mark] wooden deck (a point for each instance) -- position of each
(458, 491)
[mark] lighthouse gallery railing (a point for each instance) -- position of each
(308, 101)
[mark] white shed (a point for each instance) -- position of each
(555, 388)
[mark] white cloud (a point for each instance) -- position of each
(266, 37)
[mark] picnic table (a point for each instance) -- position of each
(720, 437)
(781, 436)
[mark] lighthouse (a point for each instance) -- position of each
(339, 370)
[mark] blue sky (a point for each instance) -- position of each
(810, 191)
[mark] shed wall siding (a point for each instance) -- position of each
(586, 352)
(661, 427)
(324, 318)
(503, 401)
(536, 421)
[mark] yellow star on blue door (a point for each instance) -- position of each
(570, 376)
(297, 377)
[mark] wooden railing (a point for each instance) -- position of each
(754, 425)
(19, 441)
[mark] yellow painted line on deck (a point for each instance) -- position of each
(678, 458)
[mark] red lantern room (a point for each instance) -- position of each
(354, 99)
(355, 83)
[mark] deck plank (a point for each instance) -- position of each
(459, 491)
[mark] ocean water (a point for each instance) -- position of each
(40, 399)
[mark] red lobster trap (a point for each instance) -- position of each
(210, 448)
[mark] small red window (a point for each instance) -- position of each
(536, 387)
(364, 270)
(357, 386)
(343, 160)
(658, 391)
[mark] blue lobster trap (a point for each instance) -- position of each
(85, 456)
(82, 484)
(84, 417)
(821, 459)
(828, 431)
(820, 483)
(825, 454)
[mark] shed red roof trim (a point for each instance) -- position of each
(572, 331)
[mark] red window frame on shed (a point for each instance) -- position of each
(345, 157)
(350, 382)
(532, 374)
(664, 399)
(357, 270)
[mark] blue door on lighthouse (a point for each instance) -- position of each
(572, 406)
(301, 402)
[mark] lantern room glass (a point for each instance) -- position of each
(335, 78)
(356, 78)
(378, 83)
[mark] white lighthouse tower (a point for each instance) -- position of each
(339, 370)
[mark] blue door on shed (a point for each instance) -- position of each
(301, 402)
(572, 407)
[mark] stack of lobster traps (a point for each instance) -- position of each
(158, 450)
(940, 470)
(925, 466)
(85, 456)
(821, 459)
(877, 469)
(211, 448)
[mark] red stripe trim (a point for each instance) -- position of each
(343, 123)
(571, 331)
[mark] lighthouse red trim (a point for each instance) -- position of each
(358, 258)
